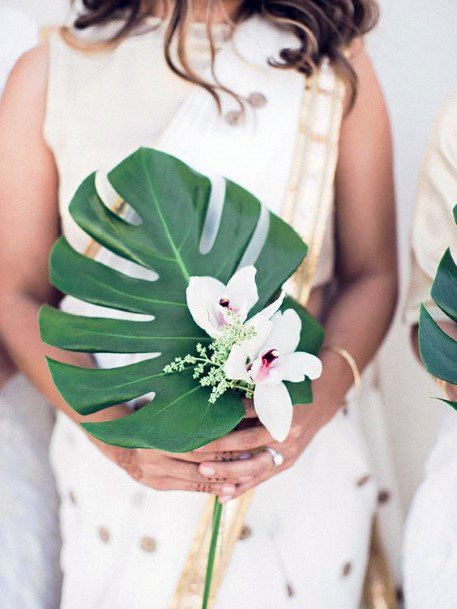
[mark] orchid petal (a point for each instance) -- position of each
(258, 321)
(235, 366)
(262, 327)
(241, 291)
(202, 294)
(203, 318)
(272, 308)
(296, 366)
(285, 333)
(274, 409)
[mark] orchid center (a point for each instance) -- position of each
(269, 357)
(224, 302)
(261, 369)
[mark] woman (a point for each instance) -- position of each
(29, 570)
(431, 536)
(110, 88)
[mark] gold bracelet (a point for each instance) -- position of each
(349, 359)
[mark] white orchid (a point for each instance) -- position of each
(211, 303)
(260, 351)
(269, 359)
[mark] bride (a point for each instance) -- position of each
(281, 97)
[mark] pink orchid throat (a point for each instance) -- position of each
(226, 305)
(261, 369)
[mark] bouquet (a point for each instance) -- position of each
(215, 319)
(438, 350)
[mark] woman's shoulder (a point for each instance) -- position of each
(26, 90)
(30, 70)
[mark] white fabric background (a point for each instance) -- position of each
(414, 50)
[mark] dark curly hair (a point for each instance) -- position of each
(324, 28)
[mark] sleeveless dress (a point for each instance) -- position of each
(29, 533)
(307, 530)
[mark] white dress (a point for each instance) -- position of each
(29, 537)
(124, 545)
(430, 548)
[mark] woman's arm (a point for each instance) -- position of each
(29, 225)
(28, 220)
(365, 227)
(361, 312)
(450, 328)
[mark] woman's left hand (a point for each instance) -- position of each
(250, 463)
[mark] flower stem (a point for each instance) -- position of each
(217, 513)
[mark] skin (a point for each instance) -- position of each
(357, 318)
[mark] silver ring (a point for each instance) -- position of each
(278, 459)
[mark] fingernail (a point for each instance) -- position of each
(207, 471)
(225, 498)
(245, 456)
(228, 489)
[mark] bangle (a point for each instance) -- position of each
(350, 361)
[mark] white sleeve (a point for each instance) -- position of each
(434, 229)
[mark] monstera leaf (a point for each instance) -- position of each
(438, 350)
(171, 201)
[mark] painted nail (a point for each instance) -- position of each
(228, 489)
(225, 498)
(207, 471)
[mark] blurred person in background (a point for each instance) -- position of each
(29, 537)
(430, 549)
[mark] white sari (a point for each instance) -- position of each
(308, 529)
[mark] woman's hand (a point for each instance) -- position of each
(164, 471)
(256, 464)
(230, 466)
(154, 468)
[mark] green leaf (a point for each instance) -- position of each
(174, 331)
(178, 419)
(311, 339)
(99, 284)
(444, 290)
(88, 390)
(171, 202)
(449, 402)
(438, 350)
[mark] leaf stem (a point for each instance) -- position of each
(217, 514)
